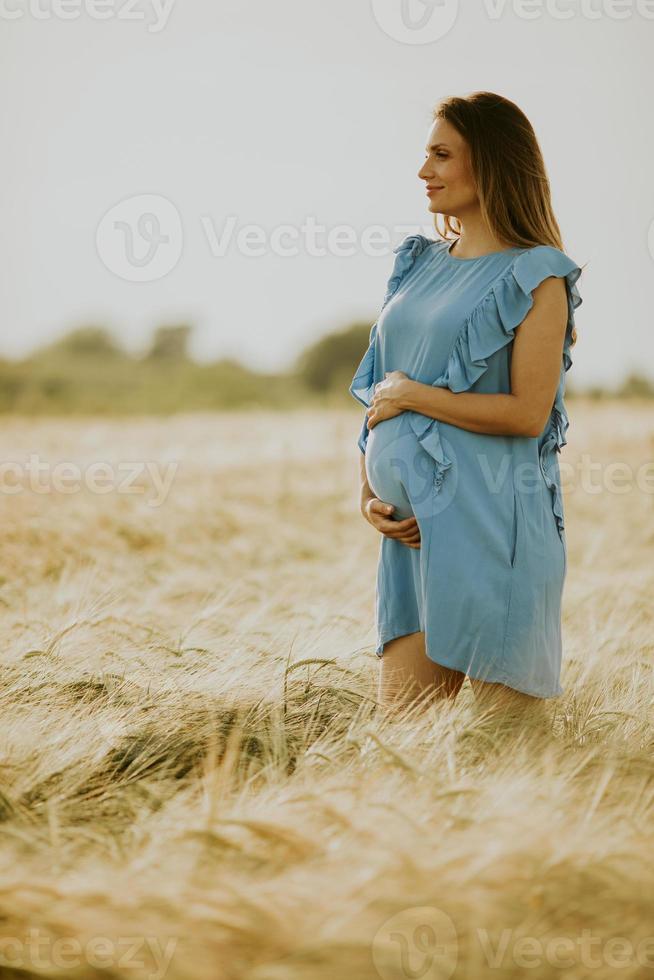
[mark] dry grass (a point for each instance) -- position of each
(194, 766)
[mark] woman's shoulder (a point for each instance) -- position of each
(545, 254)
(538, 262)
(407, 253)
(415, 239)
(415, 244)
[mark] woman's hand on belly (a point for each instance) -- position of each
(388, 399)
(378, 513)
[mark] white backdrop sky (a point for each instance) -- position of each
(275, 111)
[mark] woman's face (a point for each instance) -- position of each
(447, 171)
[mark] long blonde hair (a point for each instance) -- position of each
(508, 170)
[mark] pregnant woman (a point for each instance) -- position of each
(463, 382)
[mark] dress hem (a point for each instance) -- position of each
(493, 677)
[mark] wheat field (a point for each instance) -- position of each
(197, 781)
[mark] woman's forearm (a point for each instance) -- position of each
(493, 414)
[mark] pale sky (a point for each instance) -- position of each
(278, 112)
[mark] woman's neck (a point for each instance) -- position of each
(475, 239)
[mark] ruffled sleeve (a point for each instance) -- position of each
(490, 326)
(364, 381)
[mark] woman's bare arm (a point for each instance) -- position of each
(535, 371)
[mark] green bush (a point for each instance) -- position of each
(331, 360)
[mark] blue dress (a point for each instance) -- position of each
(486, 584)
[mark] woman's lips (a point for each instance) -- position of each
(433, 190)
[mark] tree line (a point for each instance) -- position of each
(87, 371)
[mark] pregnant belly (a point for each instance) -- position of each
(396, 465)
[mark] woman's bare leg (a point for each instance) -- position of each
(506, 700)
(407, 674)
